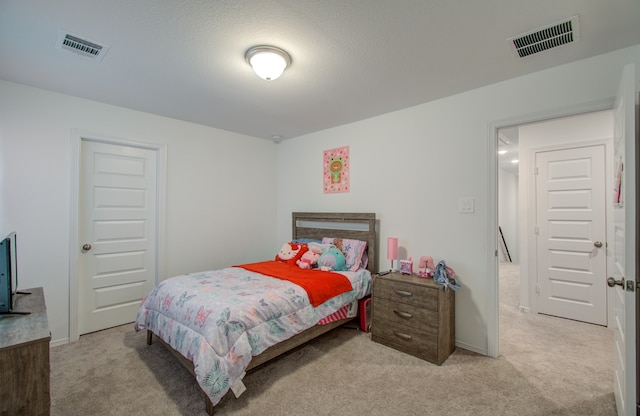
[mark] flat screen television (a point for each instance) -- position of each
(9, 274)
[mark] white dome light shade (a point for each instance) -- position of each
(268, 62)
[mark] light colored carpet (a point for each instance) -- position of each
(548, 366)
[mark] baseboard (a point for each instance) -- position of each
(58, 342)
(472, 348)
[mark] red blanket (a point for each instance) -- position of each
(320, 285)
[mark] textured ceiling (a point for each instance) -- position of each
(351, 59)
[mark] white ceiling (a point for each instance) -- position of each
(351, 59)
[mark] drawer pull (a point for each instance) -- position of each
(401, 314)
(404, 293)
(402, 336)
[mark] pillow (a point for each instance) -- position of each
(306, 240)
(355, 252)
(319, 246)
(291, 252)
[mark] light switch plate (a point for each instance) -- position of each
(466, 205)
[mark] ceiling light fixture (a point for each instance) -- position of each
(268, 62)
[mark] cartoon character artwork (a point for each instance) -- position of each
(336, 170)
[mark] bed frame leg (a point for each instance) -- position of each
(149, 337)
(208, 405)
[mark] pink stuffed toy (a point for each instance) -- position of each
(426, 266)
(309, 259)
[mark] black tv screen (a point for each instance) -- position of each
(8, 272)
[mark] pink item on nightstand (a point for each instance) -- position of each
(426, 266)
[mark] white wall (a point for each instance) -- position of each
(221, 203)
(562, 132)
(508, 214)
(410, 167)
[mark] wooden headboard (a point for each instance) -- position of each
(356, 226)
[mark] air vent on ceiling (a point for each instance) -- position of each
(546, 37)
(83, 47)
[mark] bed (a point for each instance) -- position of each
(249, 317)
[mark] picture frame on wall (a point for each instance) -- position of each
(336, 170)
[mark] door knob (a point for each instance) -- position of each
(598, 244)
(611, 282)
(86, 247)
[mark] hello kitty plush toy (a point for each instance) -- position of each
(291, 252)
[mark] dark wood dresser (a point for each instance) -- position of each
(414, 315)
(24, 358)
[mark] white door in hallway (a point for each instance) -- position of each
(625, 228)
(571, 233)
(117, 233)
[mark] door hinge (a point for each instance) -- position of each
(537, 288)
(536, 230)
(535, 170)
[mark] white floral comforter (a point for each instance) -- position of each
(220, 319)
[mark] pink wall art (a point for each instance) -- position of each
(335, 169)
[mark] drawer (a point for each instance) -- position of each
(399, 313)
(406, 339)
(404, 292)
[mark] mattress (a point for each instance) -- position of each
(220, 319)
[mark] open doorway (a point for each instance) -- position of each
(518, 148)
(508, 222)
(508, 191)
(527, 337)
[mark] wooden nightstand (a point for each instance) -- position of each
(414, 315)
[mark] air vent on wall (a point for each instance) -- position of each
(74, 43)
(546, 37)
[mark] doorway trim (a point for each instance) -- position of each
(77, 137)
(492, 294)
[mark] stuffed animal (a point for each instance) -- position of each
(309, 259)
(332, 259)
(426, 266)
(291, 252)
(444, 275)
